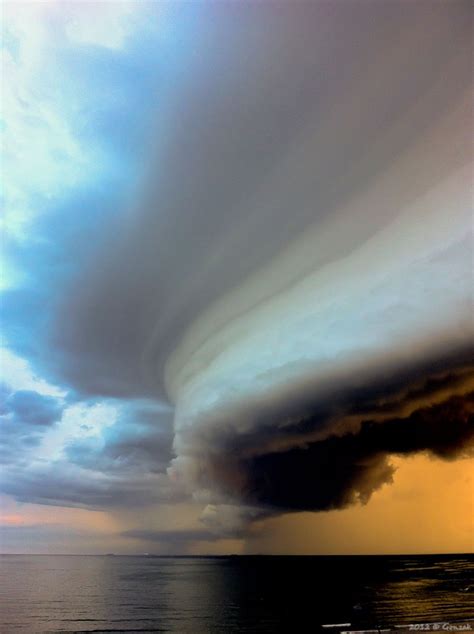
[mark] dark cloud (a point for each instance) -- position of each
(342, 470)
(318, 407)
(319, 454)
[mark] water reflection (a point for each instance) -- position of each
(233, 594)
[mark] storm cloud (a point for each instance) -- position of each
(342, 470)
(290, 291)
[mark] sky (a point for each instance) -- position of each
(236, 278)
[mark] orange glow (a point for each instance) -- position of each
(11, 520)
(429, 508)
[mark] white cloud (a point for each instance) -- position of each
(43, 153)
(78, 421)
(18, 374)
(105, 24)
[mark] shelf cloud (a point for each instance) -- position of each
(290, 288)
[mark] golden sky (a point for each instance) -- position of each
(428, 509)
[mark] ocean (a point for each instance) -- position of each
(67, 593)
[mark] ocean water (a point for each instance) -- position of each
(44, 593)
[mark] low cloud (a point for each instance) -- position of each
(343, 470)
(335, 457)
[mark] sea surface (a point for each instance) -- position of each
(44, 593)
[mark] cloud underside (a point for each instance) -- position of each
(329, 454)
(343, 470)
